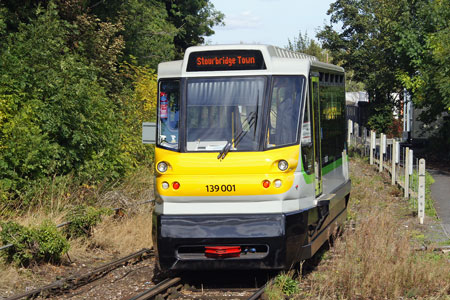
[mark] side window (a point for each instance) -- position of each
(306, 140)
(284, 111)
(306, 126)
(169, 113)
(332, 102)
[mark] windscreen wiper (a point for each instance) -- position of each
(251, 121)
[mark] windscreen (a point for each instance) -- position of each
(223, 110)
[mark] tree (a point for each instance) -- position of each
(393, 44)
(193, 19)
(147, 31)
(423, 42)
(304, 44)
(56, 116)
(365, 45)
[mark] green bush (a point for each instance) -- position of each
(82, 220)
(33, 245)
(287, 284)
(57, 115)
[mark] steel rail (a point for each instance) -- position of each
(157, 289)
(76, 281)
(260, 291)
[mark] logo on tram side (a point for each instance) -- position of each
(226, 60)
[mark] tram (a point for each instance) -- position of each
(250, 156)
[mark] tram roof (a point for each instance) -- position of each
(277, 61)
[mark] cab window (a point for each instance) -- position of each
(284, 111)
(169, 113)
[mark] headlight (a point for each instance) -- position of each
(162, 167)
(283, 165)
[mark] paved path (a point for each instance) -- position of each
(440, 192)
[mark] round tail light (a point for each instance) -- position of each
(266, 183)
(176, 185)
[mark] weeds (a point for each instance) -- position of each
(376, 260)
(284, 285)
(82, 219)
(33, 245)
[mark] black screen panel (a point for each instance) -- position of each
(226, 60)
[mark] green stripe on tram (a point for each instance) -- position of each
(325, 170)
(330, 167)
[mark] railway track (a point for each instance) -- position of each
(80, 286)
(75, 281)
(173, 288)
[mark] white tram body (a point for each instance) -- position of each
(250, 157)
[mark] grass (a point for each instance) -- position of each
(414, 181)
(283, 285)
(375, 258)
(115, 236)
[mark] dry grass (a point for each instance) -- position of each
(115, 236)
(376, 259)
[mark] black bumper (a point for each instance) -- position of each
(277, 239)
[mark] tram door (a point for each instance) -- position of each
(317, 133)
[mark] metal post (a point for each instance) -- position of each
(421, 193)
(381, 152)
(406, 163)
(394, 155)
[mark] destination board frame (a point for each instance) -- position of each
(226, 60)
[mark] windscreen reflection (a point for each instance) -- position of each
(221, 111)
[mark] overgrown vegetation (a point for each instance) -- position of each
(283, 286)
(33, 245)
(375, 257)
(77, 80)
(115, 236)
(82, 219)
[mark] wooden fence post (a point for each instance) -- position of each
(372, 145)
(421, 193)
(381, 152)
(394, 157)
(406, 165)
(345, 164)
(411, 161)
(349, 132)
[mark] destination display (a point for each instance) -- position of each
(226, 60)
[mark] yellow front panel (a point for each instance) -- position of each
(240, 173)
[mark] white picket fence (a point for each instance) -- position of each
(406, 170)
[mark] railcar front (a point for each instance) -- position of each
(234, 189)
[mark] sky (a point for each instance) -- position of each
(270, 22)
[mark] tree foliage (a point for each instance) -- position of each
(302, 43)
(193, 19)
(364, 46)
(76, 82)
(391, 45)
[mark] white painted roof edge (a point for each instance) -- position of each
(278, 61)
